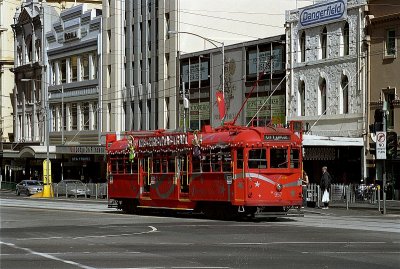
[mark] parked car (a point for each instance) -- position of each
(28, 187)
(72, 187)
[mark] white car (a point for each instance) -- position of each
(72, 187)
(28, 187)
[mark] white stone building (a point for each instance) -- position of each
(326, 65)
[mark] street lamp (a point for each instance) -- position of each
(212, 41)
(47, 190)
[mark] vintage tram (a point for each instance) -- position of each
(223, 172)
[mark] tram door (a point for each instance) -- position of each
(183, 174)
(144, 172)
(239, 175)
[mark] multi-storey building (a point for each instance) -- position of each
(73, 92)
(327, 89)
(6, 78)
(384, 65)
(248, 81)
(142, 42)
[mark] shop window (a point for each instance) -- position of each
(278, 158)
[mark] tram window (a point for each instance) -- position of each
(164, 165)
(133, 167)
(205, 163)
(196, 165)
(113, 166)
(156, 165)
(171, 165)
(120, 166)
(145, 164)
(239, 162)
(226, 161)
(257, 158)
(215, 164)
(279, 158)
(294, 158)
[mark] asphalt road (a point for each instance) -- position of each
(64, 234)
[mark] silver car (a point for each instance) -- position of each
(72, 187)
(28, 187)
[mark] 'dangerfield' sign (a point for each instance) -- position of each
(324, 13)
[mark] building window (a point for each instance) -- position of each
(302, 98)
(302, 43)
(38, 46)
(324, 43)
(108, 40)
(85, 67)
(322, 99)
(74, 68)
(346, 39)
(94, 113)
(74, 116)
(28, 46)
(53, 73)
(95, 66)
(390, 43)
(345, 95)
(85, 113)
(389, 96)
(63, 69)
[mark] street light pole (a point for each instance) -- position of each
(215, 45)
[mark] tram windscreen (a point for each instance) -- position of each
(257, 159)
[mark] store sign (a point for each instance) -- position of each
(81, 150)
(323, 13)
(81, 158)
(71, 36)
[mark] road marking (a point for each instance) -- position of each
(351, 252)
(300, 243)
(46, 255)
(153, 229)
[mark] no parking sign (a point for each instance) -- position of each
(381, 145)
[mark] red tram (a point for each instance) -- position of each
(223, 172)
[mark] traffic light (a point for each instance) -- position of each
(378, 124)
(372, 148)
(391, 145)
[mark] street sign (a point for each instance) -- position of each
(381, 145)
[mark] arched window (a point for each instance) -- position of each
(324, 43)
(302, 43)
(346, 39)
(302, 98)
(345, 94)
(322, 99)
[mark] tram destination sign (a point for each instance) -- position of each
(277, 137)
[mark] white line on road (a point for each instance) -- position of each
(153, 229)
(301, 243)
(47, 256)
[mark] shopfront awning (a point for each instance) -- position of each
(36, 152)
(330, 141)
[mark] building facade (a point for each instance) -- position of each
(142, 43)
(327, 89)
(74, 92)
(384, 64)
(248, 84)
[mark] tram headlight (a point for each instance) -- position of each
(279, 187)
